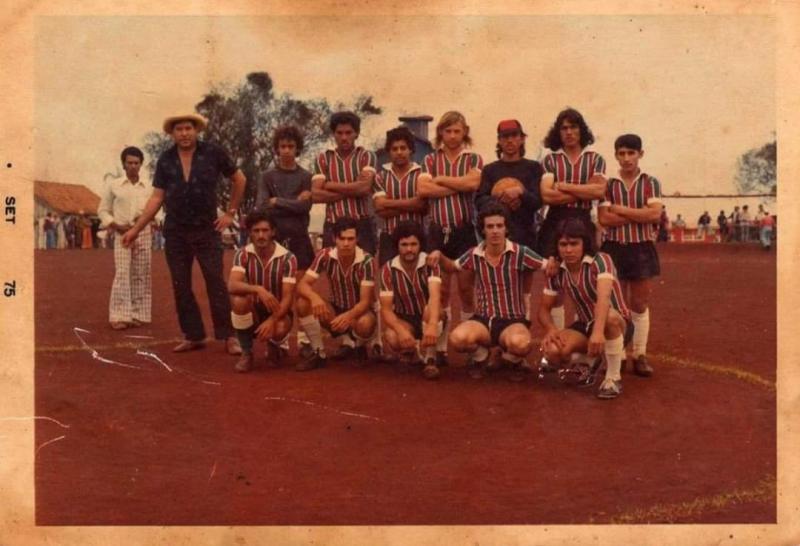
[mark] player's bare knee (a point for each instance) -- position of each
(241, 304)
(519, 344)
(365, 325)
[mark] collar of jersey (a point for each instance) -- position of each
(280, 250)
(586, 260)
(420, 261)
(414, 167)
(480, 250)
(360, 255)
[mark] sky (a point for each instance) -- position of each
(700, 90)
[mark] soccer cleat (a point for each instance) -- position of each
(313, 362)
(361, 357)
(431, 370)
(441, 359)
(641, 366)
(245, 363)
(545, 366)
(475, 369)
(305, 350)
(609, 389)
(232, 346)
(345, 352)
(272, 355)
(518, 371)
(188, 345)
(378, 355)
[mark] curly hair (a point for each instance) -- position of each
(400, 133)
(288, 132)
(345, 118)
(553, 138)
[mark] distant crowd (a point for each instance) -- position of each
(740, 226)
(81, 231)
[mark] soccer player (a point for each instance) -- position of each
(343, 179)
(499, 266)
(603, 325)
(261, 285)
(285, 192)
(348, 313)
(410, 293)
(395, 190)
(452, 174)
(577, 178)
(630, 211)
(523, 201)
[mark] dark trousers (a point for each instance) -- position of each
(183, 244)
(366, 235)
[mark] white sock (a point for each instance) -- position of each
(480, 354)
(430, 353)
(526, 299)
(302, 338)
(614, 351)
(641, 331)
(466, 315)
(441, 341)
(376, 339)
(313, 329)
(557, 313)
(511, 357)
(347, 340)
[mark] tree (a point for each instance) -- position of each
(243, 118)
(757, 170)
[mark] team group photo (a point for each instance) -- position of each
(453, 279)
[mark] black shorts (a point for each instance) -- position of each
(415, 321)
(453, 242)
(546, 244)
(261, 313)
(366, 235)
(300, 246)
(496, 325)
(585, 328)
(634, 261)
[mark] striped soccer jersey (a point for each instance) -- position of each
(583, 289)
(589, 164)
(346, 284)
(458, 209)
(410, 294)
(499, 288)
(387, 184)
(644, 191)
(280, 268)
(344, 170)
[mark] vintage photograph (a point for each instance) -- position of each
(472, 269)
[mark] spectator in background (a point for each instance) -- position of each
(733, 220)
(49, 232)
(663, 226)
(744, 220)
(766, 226)
(61, 235)
(69, 230)
(86, 231)
(722, 224)
(41, 239)
(679, 225)
(703, 226)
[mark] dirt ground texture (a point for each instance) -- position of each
(186, 441)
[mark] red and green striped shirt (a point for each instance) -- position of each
(344, 170)
(410, 295)
(345, 284)
(499, 288)
(280, 268)
(589, 163)
(583, 289)
(644, 191)
(387, 184)
(458, 209)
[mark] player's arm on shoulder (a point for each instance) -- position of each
(437, 258)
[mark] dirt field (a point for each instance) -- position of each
(187, 441)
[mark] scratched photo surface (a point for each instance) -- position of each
(128, 433)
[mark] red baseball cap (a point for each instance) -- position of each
(510, 126)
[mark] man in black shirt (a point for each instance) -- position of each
(185, 181)
(523, 202)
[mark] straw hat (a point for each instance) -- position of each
(199, 121)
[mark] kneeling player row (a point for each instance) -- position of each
(264, 275)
